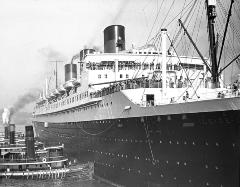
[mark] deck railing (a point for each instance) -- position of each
(42, 159)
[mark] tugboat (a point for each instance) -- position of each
(23, 157)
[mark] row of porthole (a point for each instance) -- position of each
(151, 141)
(160, 141)
(156, 161)
(137, 171)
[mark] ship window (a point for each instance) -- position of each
(99, 76)
(73, 99)
(105, 75)
(120, 76)
(199, 67)
(127, 76)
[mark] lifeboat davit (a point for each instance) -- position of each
(61, 90)
(69, 84)
(76, 83)
(56, 93)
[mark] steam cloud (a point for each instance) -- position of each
(6, 116)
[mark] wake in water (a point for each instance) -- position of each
(81, 176)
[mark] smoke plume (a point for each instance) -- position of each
(51, 54)
(90, 46)
(23, 100)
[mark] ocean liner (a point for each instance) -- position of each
(146, 117)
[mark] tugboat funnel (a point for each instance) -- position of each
(6, 132)
(29, 141)
(12, 133)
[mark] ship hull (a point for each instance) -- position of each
(195, 149)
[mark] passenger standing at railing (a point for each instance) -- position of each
(179, 83)
(235, 87)
(171, 83)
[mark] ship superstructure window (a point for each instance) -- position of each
(127, 76)
(192, 66)
(158, 66)
(105, 75)
(121, 76)
(99, 76)
(103, 65)
(128, 65)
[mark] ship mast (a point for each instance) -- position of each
(211, 15)
(164, 60)
(56, 72)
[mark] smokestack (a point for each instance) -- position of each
(29, 141)
(84, 52)
(70, 72)
(12, 133)
(114, 39)
(6, 132)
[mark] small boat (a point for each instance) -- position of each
(23, 157)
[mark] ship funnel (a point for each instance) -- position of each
(114, 39)
(84, 52)
(29, 141)
(6, 132)
(70, 71)
(12, 133)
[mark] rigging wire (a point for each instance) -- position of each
(155, 21)
(232, 25)
(170, 8)
(195, 23)
(229, 41)
(183, 12)
(180, 62)
(174, 39)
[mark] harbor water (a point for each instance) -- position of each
(70, 181)
(79, 179)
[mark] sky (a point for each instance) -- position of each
(33, 33)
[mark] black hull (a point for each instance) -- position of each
(180, 150)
